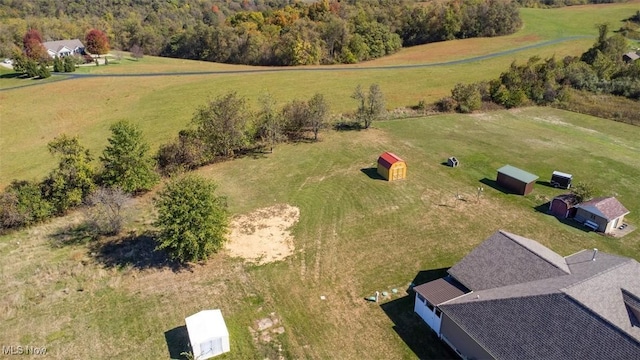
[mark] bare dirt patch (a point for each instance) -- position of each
(263, 236)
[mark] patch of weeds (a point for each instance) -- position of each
(72, 235)
(254, 299)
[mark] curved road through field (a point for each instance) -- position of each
(73, 76)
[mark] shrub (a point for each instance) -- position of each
(467, 97)
(22, 204)
(192, 221)
(105, 211)
(187, 153)
(446, 104)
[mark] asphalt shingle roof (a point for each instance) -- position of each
(587, 310)
(605, 207)
(507, 259)
(57, 45)
(550, 327)
(440, 290)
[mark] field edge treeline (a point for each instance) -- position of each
(258, 33)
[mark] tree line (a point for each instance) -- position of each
(219, 130)
(601, 69)
(191, 220)
(224, 127)
(263, 33)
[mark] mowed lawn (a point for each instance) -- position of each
(32, 116)
(356, 235)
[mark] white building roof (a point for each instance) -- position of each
(560, 173)
(206, 325)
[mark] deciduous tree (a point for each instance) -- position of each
(583, 191)
(295, 115)
(270, 125)
(370, 106)
(318, 114)
(222, 124)
(192, 221)
(33, 48)
(97, 42)
(105, 213)
(137, 52)
(467, 97)
(126, 160)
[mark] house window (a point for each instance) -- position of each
(429, 305)
(438, 312)
(420, 297)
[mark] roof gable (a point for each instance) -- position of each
(551, 326)
(507, 259)
(603, 294)
(440, 290)
(387, 159)
(58, 45)
(632, 304)
(569, 199)
(604, 207)
(518, 174)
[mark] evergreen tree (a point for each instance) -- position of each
(126, 160)
(68, 64)
(58, 66)
(43, 71)
(68, 184)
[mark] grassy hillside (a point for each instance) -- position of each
(355, 235)
(33, 115)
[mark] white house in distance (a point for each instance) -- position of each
(62, 48)
(208, 334)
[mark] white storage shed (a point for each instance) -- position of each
(208, 334)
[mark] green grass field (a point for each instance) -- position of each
(33, 115)
(355, 235)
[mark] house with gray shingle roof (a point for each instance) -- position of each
(62, 48)
(606, 212)
(513, 298)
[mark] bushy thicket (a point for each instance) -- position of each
(278, 32)
(224, 128)
(75, 182)
(560, 3)
(600, 69)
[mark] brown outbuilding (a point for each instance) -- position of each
(564, 206)
(515, 180)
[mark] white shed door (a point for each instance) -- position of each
(213, 347)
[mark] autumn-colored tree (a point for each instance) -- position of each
(97, 42)
(32, 42)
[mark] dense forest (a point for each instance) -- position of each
(277, 32)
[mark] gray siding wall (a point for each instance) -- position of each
(462, 343)
(582, 216)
